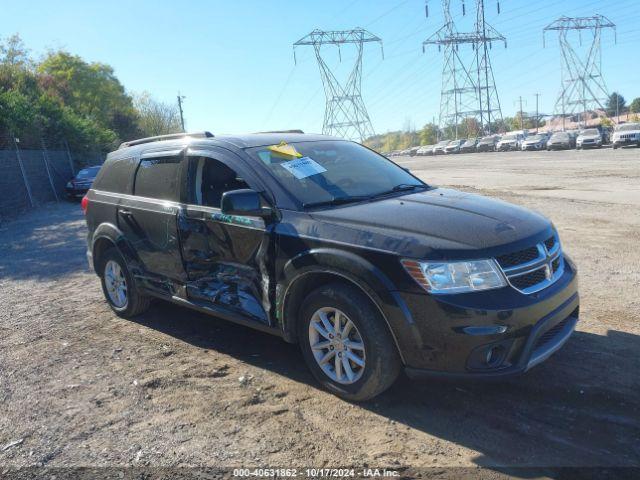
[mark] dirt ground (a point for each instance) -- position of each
(82, 387)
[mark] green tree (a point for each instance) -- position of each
(157, 118)
(635, 105)
(615, 104)
(429, 134)
(92, 90)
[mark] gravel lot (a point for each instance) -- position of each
(82, 387)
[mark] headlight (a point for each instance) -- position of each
(455, 277)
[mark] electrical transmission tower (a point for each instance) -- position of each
(583, 88)
(468, 85)
(345, 114)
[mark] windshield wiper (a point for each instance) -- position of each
(337, 201)
(403, 187)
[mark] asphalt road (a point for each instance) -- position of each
(82, 387)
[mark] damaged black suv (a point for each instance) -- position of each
(325, 243)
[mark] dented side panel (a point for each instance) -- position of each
(227, 261)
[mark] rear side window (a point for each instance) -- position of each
(116, 176)
(159, 178)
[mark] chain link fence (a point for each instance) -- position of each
(34, 170)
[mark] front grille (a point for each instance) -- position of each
(550, 243)
(518, 258)
(529, 279)
(547, 336)
(533, 268)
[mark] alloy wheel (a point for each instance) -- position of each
(337, 345)
(116, 284)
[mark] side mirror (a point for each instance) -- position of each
(244, 202)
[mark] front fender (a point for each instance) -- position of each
(354, 269)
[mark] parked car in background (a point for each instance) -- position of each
(535, 142)
(81, 183)
(626, 134)
(469, 146)
(589, 138)
(511, 141)
(454, 146)
(413, 151)
(488, 143)
(438, 149)
(561, 141)
(425, 150)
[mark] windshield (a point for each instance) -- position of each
(535, 138)
(510, 137)
(628, 126)
(88, 172)
(487, 140)
(334, 171)
(560, 136)
(590, 131)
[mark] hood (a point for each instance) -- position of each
(434, 223)
(588, 137)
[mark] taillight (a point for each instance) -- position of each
(84, 204)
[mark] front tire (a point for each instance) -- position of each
(346, 343)
(119, 287)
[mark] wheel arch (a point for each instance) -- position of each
(314, 268)
(109, 236)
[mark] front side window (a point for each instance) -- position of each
(210, 178)
(158, 178)
(334, 171)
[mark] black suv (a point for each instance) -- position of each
(326, 243)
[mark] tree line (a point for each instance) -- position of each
(63, 98)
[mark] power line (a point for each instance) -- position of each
(468, 86)
(345, 113)
(582, 86)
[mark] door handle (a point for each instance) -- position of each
(125, 213)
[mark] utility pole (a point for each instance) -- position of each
(537, 111)
(180, 99)
(345, 114)
(521, 115)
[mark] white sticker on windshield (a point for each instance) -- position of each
(303, 167)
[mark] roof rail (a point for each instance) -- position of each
(159, 138)
(283, 131)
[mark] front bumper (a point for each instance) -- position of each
(532, 147)
(626, 142)
(589, 145)
(77, 190)
(507, 147)
(455, 333)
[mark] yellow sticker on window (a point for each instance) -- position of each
(285, 150)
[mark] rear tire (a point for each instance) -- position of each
(377, 363)
(119, 287)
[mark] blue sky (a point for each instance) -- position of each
(233, 59)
